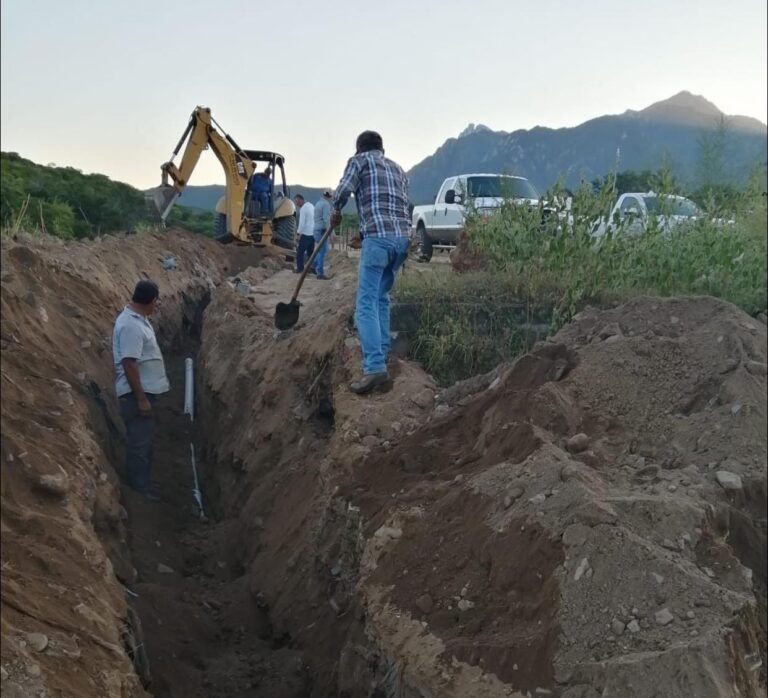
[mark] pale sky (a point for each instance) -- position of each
(108, 86)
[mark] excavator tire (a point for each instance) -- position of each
(220, 233)
(284, 231)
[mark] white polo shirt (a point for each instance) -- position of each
(134, 338)
(307, 219)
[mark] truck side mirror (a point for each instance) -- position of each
(451, 197)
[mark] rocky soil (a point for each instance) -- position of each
(589, 520)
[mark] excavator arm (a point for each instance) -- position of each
(199, 135)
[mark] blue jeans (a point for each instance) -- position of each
(380, 259)
(262, 199)
(139, 432)
(305, 247)
(266, 209)
(320, 259)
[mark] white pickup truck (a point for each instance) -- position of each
(633, 211)
(440, 223)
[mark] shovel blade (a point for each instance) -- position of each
(161, 199)
(286, 315)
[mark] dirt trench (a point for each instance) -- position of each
(103, 593)
(203, 633)
(587, 520)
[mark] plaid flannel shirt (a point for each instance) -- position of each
(381, 194)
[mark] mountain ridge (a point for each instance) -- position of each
(666, 131)
(669, 130)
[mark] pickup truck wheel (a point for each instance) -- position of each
(425, 245)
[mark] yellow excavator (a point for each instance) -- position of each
(253, 210)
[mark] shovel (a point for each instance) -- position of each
(287, 314)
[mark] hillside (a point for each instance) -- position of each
(673, 128)
(69, 204)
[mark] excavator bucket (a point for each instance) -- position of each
(160, 200)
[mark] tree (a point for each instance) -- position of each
(63, 201)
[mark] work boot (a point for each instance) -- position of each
(368, 383)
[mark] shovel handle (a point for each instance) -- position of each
(311, 259)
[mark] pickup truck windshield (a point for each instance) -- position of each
(498, 187)
(668, 206)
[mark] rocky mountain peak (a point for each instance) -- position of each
(473, 128)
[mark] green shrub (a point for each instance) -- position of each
(564, 264)
(64, 202)
(537, 271)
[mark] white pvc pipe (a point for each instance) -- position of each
(189, 408)
(189, 390)
(196, 493)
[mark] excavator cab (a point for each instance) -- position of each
(268, 208)
(255, 209)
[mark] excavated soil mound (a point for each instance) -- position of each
(621, 467)
(592, 522)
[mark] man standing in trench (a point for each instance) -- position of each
(140, 379)
(381, 195)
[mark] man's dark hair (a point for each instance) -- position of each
(145, 292)
(369, 140)
(299, 196)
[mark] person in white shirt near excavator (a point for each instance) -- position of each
(306, 231)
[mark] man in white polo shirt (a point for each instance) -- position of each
(306, 244)
(140, 379)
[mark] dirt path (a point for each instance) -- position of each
(280, 287)
(267, 292)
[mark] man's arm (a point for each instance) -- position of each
(131, 368)
(326, 213)
(130, 342)
(302, 219)
(349, 181)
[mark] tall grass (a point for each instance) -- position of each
(463, 325)
(533, 269)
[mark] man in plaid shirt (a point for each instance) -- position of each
(381, 194)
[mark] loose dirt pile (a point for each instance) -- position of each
(612, 487)
(589, 520)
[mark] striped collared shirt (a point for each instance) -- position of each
(381, 194)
